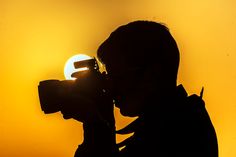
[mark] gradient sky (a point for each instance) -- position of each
(38, 36)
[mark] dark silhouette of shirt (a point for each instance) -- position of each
(181, 127)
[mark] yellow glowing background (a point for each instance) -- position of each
(38, 36)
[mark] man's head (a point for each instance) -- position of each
(137, 56)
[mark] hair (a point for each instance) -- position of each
(142, 43)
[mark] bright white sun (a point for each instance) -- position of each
(69, 66)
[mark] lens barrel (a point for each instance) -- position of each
(48, 91)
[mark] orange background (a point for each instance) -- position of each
(38, 36)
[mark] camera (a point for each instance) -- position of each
(54, 95)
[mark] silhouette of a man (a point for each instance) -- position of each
(141, 60)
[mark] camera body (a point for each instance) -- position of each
(54, 95)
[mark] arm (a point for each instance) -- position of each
(99, 133)
(92, 105)
(99, 140)
(99, 129)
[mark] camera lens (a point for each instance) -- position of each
(49, 96)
